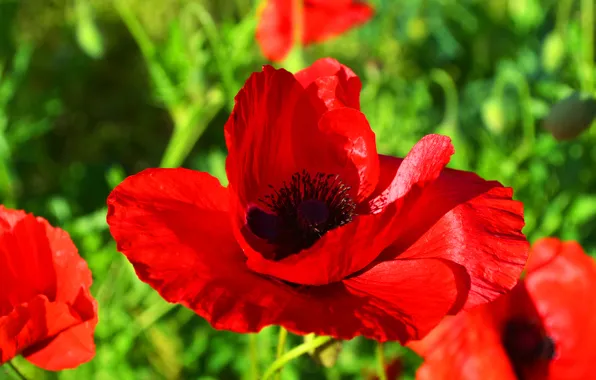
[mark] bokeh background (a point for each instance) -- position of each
(94, 90)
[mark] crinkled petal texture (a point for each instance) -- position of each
(467, 220)
(561, 280)
(46, 311)
(322, 20)
(426, 241)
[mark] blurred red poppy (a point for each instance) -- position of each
(544, 329)
(317, 232)
(46, 311)
(322, 19)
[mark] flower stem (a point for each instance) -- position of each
(381, 362)
(281, 347)
(294, 353)
(295, 60)
(587, 65)
(254, 356)
(18, 373)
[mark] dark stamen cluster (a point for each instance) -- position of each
(306, 208)
(526, 344)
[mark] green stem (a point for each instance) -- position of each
(519, 82)
(217, 46)
(444, 80)
(450, 124)
(18, 373)
(562, 17)
(295, 60)
(294, 353)
(253, 355)
(189, 125)
(281, 347)
(381, 362)
(587, 21)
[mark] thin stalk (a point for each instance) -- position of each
(381, 362)
(587, 22)
(519, 82)
(295, 60)
(281, 347)
(253, 353)
(294, 353)
(16, 371)
(217, 46)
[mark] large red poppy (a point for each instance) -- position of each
(322, 19)
(46, 311)
(544, 329)
(317, 232)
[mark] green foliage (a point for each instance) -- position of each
(91, 91)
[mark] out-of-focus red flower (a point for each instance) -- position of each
(46, 311)
(317, 232)
(322, 19)
(544, 329)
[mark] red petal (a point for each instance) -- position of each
(561, 287)
(422, 165)
(71, 347)
(465, 219)
(26, 260)
(414, 294)
(341, 143)
(544, 250)
(274, 29)
(322, 21)
(348, 82)
(259, 134)
(41, 271)
(34, 322)
(467, 347)
(174, 226)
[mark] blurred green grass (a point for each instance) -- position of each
(92, 90)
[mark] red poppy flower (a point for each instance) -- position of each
(317, 232)
(322, 19)
(46, 311)
(544, 329)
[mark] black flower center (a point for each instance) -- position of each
(302, 211)
(526, 344)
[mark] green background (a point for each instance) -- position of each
(93, 90)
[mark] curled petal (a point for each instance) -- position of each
(259, 134)
(346, 89)
(417, 294)
(472, 222)
(423, 164)
(340, 143)
(35, 322)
